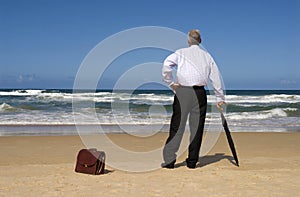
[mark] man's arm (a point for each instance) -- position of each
(167, 69)
(216, 82)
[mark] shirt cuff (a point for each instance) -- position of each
(171, 83)
(220, 99)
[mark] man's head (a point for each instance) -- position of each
(194, 37)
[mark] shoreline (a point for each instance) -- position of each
(107, 129)
(44, 165)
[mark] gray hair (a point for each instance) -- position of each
(194, 37)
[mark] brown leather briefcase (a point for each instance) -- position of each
(90, 161)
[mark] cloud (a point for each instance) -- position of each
(287, 82)
(26, 78)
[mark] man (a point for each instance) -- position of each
(195, 67)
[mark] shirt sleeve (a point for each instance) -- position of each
(215, 80)
(170, 62)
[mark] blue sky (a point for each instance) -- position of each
(256, 43)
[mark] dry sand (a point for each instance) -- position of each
(44, 166)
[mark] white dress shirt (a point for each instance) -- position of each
(194, 67)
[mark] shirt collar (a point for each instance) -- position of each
(194, 45)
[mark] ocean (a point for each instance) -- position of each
(52, 112)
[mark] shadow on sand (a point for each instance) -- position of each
(209, 159)
(108, 171)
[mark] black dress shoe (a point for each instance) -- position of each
(191, 166)
(169, 166)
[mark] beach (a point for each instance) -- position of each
(44, 166)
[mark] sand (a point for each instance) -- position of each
(44, 166)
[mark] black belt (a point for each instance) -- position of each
(193, 87)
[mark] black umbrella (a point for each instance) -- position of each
(229, 138)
